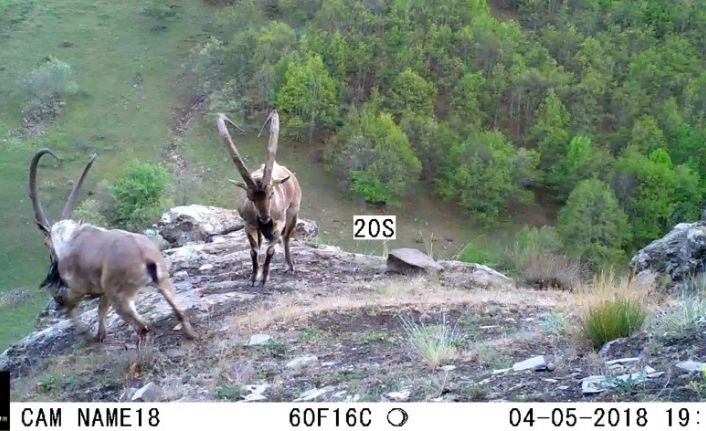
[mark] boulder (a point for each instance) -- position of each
(181, 225)
(410, 261)
(677, 257)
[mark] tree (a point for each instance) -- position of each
(411, 93)
(376, 155)
(550, 131)
(308, 97)
(478, 174)
(646, 135)
(581, 161)
(592, 226)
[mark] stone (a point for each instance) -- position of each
(313, 393)
(448, 368)
(411, 261)
(253, 397)
(691, 366)
(305, 229)
(302, 362)
(127, 394)
(157, 239)
(398, 396)
(536, 363)
(259, 339)
(184, 224)
(148, 393)
(677, 256)
(598, 384)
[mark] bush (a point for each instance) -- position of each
(434, 345)
(472, 253)
(612, 319)
(89, 211)
(45, 90)
(139, 195)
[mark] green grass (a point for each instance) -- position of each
(612, 319)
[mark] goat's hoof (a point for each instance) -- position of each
(100, 337)
(290, 270)
(252, 283)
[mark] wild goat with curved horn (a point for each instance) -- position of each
(270, 204)
(89, 261)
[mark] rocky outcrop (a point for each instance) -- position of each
(210, 277)
(675, 258)
(197, 223)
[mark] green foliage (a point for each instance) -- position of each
(654, 193)
(410, 92)
(592, 226)
(377, 156)
(90, 211)
(229, 392)
(308, 98)
(581, 161)
(478, 174)
(140, 195)
(612, 319)
(551, 129)
(473, 253)
(46, 88)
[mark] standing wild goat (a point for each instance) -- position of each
(89, 261)
(270, 204)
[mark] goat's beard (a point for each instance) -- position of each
(267, 229)
(53, 281)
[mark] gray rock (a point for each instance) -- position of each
(259, 339)
(302, 362)
(597, 384)
(313, 393)
(181, 225)
(253, 397)
(157, 239)
(127, 394)
(306, 229)
(677, 256)
(410, 261)
(536, 363)
(148, 393)
(691, 366)
(398, 396)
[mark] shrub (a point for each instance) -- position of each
(435, 345)
(89, 211)
(612, 319)
(139, 195)
(473, 253)
(52, 79)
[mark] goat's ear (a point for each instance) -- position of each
(238, 184)
(282, 180)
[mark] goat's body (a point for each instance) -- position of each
(113, 265)
(284, 210)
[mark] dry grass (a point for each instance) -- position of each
(435, 344)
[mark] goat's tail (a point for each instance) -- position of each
(152, 271)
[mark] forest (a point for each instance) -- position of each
(593, 107)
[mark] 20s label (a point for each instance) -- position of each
(374, 227)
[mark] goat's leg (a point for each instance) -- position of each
(254, 247)
(102, 312)
(288, 229)
(126, 309)
(167, 290)
(268, 258)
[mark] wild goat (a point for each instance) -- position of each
(89, 261)
(270, 204)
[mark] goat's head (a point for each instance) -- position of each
(259, 190)
(56, 235)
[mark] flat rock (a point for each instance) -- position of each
(536, 363)
(410, 261)
(302, 362)
(313, 393)
(398, 396)
(691, 366)
(184, 224)
(259, 339)
(148, 393)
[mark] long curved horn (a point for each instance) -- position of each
(71, 200)
(39, 216)
(271, 148)
(234, 154)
